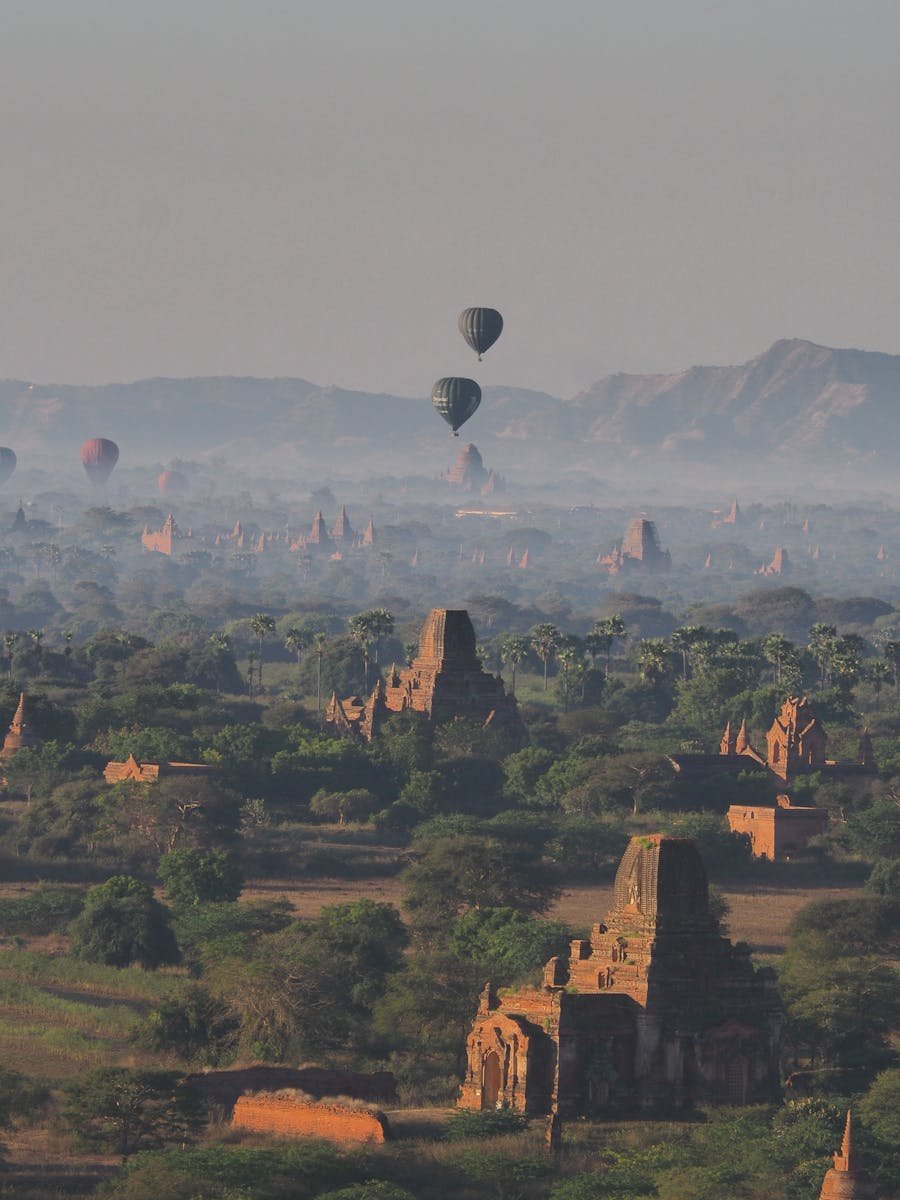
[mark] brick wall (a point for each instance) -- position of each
(292, 1115)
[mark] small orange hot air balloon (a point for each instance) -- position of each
(98, 457)
(172, 483)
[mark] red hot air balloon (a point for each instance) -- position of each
(7, 463)
(172, 483)
(98, 457)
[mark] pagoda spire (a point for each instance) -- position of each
(847, 1180)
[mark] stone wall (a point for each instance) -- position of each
(294, 1114)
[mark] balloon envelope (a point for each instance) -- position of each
(172, 483)
(7, 463)
(455, 399)
(480, 327)
(98, 457)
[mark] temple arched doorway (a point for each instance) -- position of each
(493, 1077)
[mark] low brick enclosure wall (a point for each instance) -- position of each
(293, 1114)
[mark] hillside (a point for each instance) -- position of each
(796, 403)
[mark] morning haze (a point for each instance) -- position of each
(316, 189)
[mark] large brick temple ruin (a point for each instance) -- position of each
(639, 550)
(657, 1010)
(445, 680)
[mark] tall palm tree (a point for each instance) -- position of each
(512, 650)
(262, 625)
(604, 633)
(296, 640)
(319, 641)
(381, 625)
(653, 659)
(361, 634)
(569, 653)
(544, 640)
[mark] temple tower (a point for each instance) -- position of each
(847, 1180)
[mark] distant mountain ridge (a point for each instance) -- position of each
(796, 402)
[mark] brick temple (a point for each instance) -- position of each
(656, 1011)
(445, 680)
(639, 550)
(796, 744)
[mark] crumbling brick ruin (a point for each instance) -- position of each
(657, 1010)
(290, 1113)
(446, 680)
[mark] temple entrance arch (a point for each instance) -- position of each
(492, 1080)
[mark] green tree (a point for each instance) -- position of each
(880, 1107)
(121, 923)
(200, 876)
(357, 804)
(505, 943)
(263, 625)
(320, 640)
(361, 634)
(603, 634)
(891, 652)
(781, 653)
(513, 650)
(654, 660)
(545, 639)
(878, 673)
(451, 875)
(193, 1024)
(128, 1110)
(296, 640)
(822, 645)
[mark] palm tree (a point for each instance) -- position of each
(262, 625)
(604, 633)
(544, 640)
(878, 673)
(381, 625)
(296, 640)
(777, 650)
(684, 639)
(319, 641)
(37, 636)
(891, 652)
(512, 650)
(822, 645)
(568, 655)
(9, 641)
(361, 633)
(653, 659)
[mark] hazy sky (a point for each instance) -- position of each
(317, 187)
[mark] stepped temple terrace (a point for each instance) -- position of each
(657, 1010)
(446, 680)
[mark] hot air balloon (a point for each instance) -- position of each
(480, 327)
(7, 463)
(456, 399)
(172, 483)
(98, 457)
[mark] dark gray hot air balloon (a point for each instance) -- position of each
(98, 457)
(455, 399)
(480, 327)
(7, 463)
